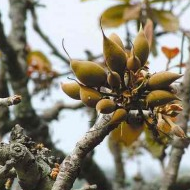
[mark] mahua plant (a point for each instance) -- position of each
(125, 85)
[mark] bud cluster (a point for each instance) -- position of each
(124, 83)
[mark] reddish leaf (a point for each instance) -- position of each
(170, 53)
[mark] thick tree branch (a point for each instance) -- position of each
(32, 164)
(70, 167)
(179, 145)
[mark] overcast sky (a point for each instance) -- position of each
(77, 23)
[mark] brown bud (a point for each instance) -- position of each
(118, 116)
(133, 63)
(89, 96)
(114, 55)
(141, 47)
(162, 80)
(115, 38)
(89, 73)
(105, 106)
(72, 89)
(159, 97)
(114, 80)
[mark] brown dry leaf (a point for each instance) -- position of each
(170, 53)
(126, 133)
(178, 131)
(175, 129)
(149, 31)
(163, 126)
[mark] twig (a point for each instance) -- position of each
(167, 64)
(52, 113)
(37, 28)
(12, 100)
(88, 187)
(184, 9)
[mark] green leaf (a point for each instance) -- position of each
(113, 16)
(154, 147)
(166, 19)
(120, 14)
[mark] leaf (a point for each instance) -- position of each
(149, 31)
(113, 16)
(163, 126)
(132, 12)
(166, 19)
(120, 14)
(38, 62)
(126, 133)
(170, 53)
(155, 148)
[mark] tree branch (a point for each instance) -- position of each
(119, 166)
(11, 56)
(37, 28)
(52, 113)
(88, 187)
(70, 167)
(12, 100)
(32, 164)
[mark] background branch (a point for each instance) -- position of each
(37, 28)
(52, 113)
